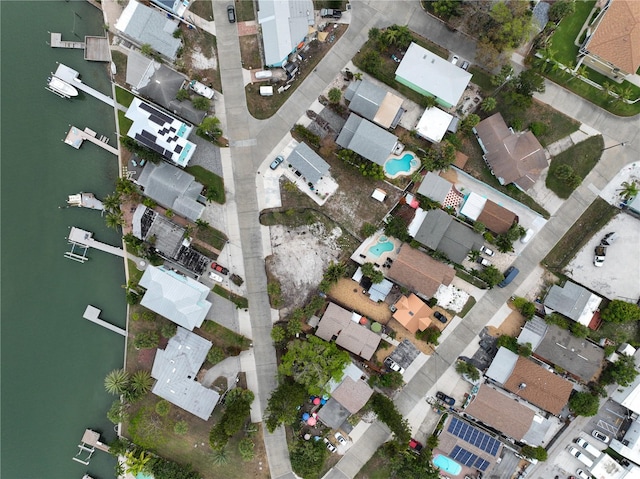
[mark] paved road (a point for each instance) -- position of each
(250, 139)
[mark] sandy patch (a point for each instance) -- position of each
(300, 257)
(348, 293)
(511, 326)
(200, 61)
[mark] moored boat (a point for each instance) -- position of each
(61, 87)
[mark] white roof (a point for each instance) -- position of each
(502, 365)
(629, 396)
(379, 194)
(416, 222)
(433, 74)
(433, 124)
(473, 206)
(605, 467)
(174, 296)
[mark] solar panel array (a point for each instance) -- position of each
(468, 459)
(473, 436)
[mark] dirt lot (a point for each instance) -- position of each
(511, 326)
(348, 293)
(300, 257)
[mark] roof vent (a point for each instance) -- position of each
(521, 386)
(433, 60)
(410, 313)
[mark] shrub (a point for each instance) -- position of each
(539, 452)
(168, 330)
(163, 407)
(181, 428)
(201, 103)
(146, 340)
(215, 355)
(538, 128)
(429, 335)
(367, 230)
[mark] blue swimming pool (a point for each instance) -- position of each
(405, 164)
(381, 246)
(447, 465)
(143, 475)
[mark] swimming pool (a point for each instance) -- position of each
(381, 246)
(447, 465)
(404, 165)
(143, 475)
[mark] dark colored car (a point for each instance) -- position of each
(415, 446)
(275, 163)
(231, 14)
(445, 399)
(509, 275)
(440, 317)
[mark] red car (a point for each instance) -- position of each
(415, 446)
(220, 269)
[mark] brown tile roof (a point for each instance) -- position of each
(419, 271)
(542, 388)
(353, 395)
(501, 412)
(413, 313)
(496, 218)
(514, 157)
(351, 336)
(617, 36)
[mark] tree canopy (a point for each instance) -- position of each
(619, 311)
(584, 404)
(307, 458)
(623, 371)
(313, 363)
(282, 407)
(387, 412)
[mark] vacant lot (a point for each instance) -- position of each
(581, 158)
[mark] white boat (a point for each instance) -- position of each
(61, 87)
(85, 200)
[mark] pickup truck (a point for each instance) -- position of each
(330, 13)
(600, 253)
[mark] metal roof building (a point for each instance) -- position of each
(172, 188)
(573, 301)
(430, 75)
(366, 139)
(174, 296)
(175, 369)
(145, 25)
(434, 124)
(284, 24)
(374, 103)
(308, 163)
(160, 132)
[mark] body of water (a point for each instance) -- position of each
(53, 361)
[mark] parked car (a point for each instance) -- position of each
(465, 65)
(582, 457)
(219, 268)
(600, 436)
(340, 438)
(527, 236)
(391, 364)
(415, 446)
(609, 239)
(275, 163)
(216, 277)
(231, 14)
(483, 261)
(509, 275)
(440, 317)
(455, 59)
(445, 399)
(487, 251)
(330, 446)
(594, 451)
(330, 13)
(582, 475)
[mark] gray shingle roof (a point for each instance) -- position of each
(440, 231)
(502, 365)
(145, 25)
(533, 332)
(569, 300)
(174, 296)
(172, 188)
(366, 139)
(175, 369)
(365, 98)
(308, 163)
(435, 187)
(333, 414)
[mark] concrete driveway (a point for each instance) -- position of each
(619, 276)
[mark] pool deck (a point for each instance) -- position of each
(362, 254)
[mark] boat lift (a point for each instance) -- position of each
(88, 445)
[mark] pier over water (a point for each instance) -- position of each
(71, 76)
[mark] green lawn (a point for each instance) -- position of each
(124, 97)
(482, 79)
(581, 157)
(563, 39)
(124, 123)
(244, 11)
(232, 343)
(239, 301)
(209, 180)
(595, 217)
(202, 8)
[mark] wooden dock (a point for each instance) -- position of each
(57, 42)
(75, 137)
(85, 238)
(96, 49)
(72, 77)
(88, 444)
(93, 314)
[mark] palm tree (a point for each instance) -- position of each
(607, 88)
(117, 381)
(548, 58)
(136, 464)
(583, 72)
(202, 224)
(488, 104)
(335, 271)
(220, 456)
(112, 202)
(629, 189)
(125, 187)
(114, 219)
(390, 36)
(624, 94)
(140, 383)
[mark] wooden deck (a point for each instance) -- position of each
(57, 42)
(76, 136)
(96, 49)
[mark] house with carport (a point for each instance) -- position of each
(374, 103)
(347, 397)
(574, 302)
(412, 313)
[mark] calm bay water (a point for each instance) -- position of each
(53, 361)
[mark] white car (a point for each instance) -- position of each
(582, 475)
(527, 236)
(487, 251)
(340, 438)
(455, 59)
(600, 436)
(330, 446)
(216, 277)
(391, 364)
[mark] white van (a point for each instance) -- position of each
(201, 89)
(594, 451)
(263, 74)
(581, 456)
